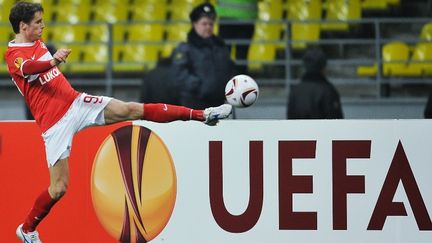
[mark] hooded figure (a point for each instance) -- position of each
(314, 97)
(202, 65)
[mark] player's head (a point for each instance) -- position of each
(202, 18)
(26, 18)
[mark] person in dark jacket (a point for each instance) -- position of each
(428, 108)
(314, 97)
(202, 65)
(159, 86)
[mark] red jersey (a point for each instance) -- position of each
(48, 94)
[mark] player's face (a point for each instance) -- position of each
(33, 30)
(204, 27)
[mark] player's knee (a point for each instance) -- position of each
(58, 189)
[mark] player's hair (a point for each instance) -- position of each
(23, 11)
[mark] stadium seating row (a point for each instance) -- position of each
(114, 11)
(401, 60)
(93, 58)
(268, 36)
(303, 32)
(73, 11)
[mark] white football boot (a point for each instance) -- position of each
(29, 237)
(213, 114)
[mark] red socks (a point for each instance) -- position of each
(168, 113)
(40, 209)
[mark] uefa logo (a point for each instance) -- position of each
(133, 184)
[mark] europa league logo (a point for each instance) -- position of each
(133, 184)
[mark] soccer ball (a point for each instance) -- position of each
(241, 91)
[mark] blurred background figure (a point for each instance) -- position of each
(159, 84)
(428, 109)
(314, 97)
(202, 66)
(238, 10)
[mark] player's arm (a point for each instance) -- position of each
(30, 67)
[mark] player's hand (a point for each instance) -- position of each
(61, 55)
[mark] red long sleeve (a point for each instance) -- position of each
(33, 67)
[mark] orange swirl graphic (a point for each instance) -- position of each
(133, 184)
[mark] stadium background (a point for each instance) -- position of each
(114, 42)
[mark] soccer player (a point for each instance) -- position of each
(61, 111)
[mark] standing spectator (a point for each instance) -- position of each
(428, 109)
(159, 85)
(315, 97)
(202, 65)
(245, 11)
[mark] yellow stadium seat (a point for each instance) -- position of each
(111, 12)
(367, 70)
(76, 2)
(5, 6)
(7, 33)
(48, 13)
(71, 13)
(149, 10)
(146, 32)
(180, 9)
(75, 56)
(260, 54)
(3, 66)
(270, 10)
(93, 58)
(135, 57)
(395, 57)
(66, 33)
(49, 2)
(139, 2)
(260, 51)
(175, 33)
(374, 4)
(422, 59)
(341, 10)
(426, 32)
(301, 33)
(99, 32)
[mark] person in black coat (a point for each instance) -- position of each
(314, 97)
(428, 108)
(202, 65)
(159, 86)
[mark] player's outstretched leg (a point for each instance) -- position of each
(213, 114)
(168, 113)
(29, 237)
(117, 111)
